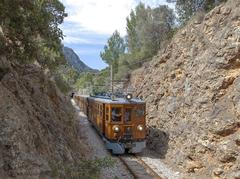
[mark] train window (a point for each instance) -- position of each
(127, 115)
(101, 110)
(140, 112)
(107, 113)
(116, 114)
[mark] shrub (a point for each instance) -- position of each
(85, 169)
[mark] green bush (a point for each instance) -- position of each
(31, 30)
(62, 85)
(85, 169)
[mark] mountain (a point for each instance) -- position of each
(192, 91)
(75, 61)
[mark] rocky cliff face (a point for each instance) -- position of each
(192, 90)
(38, 133)
(75, 61)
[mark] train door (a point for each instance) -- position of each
(107, 120)
(100, 122)
(103, 118)
(87, 106)
(114, 120)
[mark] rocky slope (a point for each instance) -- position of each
(192, 90)
(38, 133)
(75, 61)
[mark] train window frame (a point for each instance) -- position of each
(131, 114)
(101, 110)
(107, 113)
(121, 114)
(142, 112)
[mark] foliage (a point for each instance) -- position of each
(65, 77)
(127, 63)
(133, 43)
(187, 8)
(93, 82)
(101, 81)
(85, 169)
(147, 28)
(148, 31)
(62, 84)
(68, 74)
(84, 81)
(114, 48)
(31, 30)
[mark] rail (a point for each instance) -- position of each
(138, 168)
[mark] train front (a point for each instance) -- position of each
(126, 126)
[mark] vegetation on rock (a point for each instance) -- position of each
(187, 8)
(148, 29)
(31, 30)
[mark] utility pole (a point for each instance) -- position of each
(111, 74)
(111, 71)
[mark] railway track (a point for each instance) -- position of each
(138, 168)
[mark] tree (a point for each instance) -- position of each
(133, 43)
(159, 27)
(112, 51)
(147, 28)
(31, 28)
(85, 80)
(187, 8)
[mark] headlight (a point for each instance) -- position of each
(140, 127)
(116, 129)
(129, 96)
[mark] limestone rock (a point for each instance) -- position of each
(192, 91)
(37, 126)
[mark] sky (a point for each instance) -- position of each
(91, 22)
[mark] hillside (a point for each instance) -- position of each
(39, 135)
(74, 61)
(192, 93)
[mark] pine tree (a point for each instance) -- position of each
(133, 44)
(147, 28)
(112, 51)
(187, 8)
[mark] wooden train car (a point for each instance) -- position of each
(82, 103)
(121, 122)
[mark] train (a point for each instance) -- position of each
(120, 121)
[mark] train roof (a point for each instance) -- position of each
(108, 100)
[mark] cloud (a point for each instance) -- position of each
(78, 40)
(73, 34)
(91, 22)
(102, 17)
